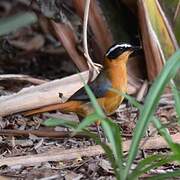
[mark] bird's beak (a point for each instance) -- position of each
(135, 49)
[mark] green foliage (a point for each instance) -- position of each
(114, 149)
(111, 131)
(92, 118)
(150, 105)
(167, 175)
(162, 130)
(60, 122)
(151, 162)
(176, 94)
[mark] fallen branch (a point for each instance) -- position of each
(45, 133)
(22, 77)
(70, 154)
(42, 95)
(41, 133)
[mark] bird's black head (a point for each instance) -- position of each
(118, 49)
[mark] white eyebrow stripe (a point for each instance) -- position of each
(116, 46)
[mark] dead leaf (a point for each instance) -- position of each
(73, 176)
(35, 43)
(106, 165)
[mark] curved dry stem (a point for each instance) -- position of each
(91, 64)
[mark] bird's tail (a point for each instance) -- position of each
(70, 106)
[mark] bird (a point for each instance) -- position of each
(113, 75)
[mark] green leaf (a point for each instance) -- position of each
(87, 121)
(132, 100)
(151, 162)
(168, 175)
(19, 20)
(176, 149)
(73, 125)
(157, 123)
(113, 134)
(151, 102)
(163, 131)
(107, 150)
(176, 94)
(60, 122)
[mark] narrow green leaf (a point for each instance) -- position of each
(60, 122)
(176, 94)
(157, 123)
(113, 134)
(168, 175)
(87, 121)
(20, 20)
(151, 102)
(107, 150)
(163, 131)
(151, 162)
(132, 100)
(176, 149)
(73, 125)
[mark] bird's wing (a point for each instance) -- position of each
(99, 87)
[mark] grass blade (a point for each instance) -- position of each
(168, 175)
(157, 123)
(73, 125)
(151, 162)
(151, 102)
(107, 150)
(112, 132)
(60, 122)
(87, 121)
(176, 94)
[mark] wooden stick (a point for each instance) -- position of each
(157, 142)
(45, 94)
(22, 77)
(46, 133)
(40, 133)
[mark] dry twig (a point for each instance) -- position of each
(40, 133)
(69, 154)
(85, 44)
(42, 95)
(21, 77)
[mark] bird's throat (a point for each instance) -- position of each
(118, 76)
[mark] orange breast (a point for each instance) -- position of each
(111, 101)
